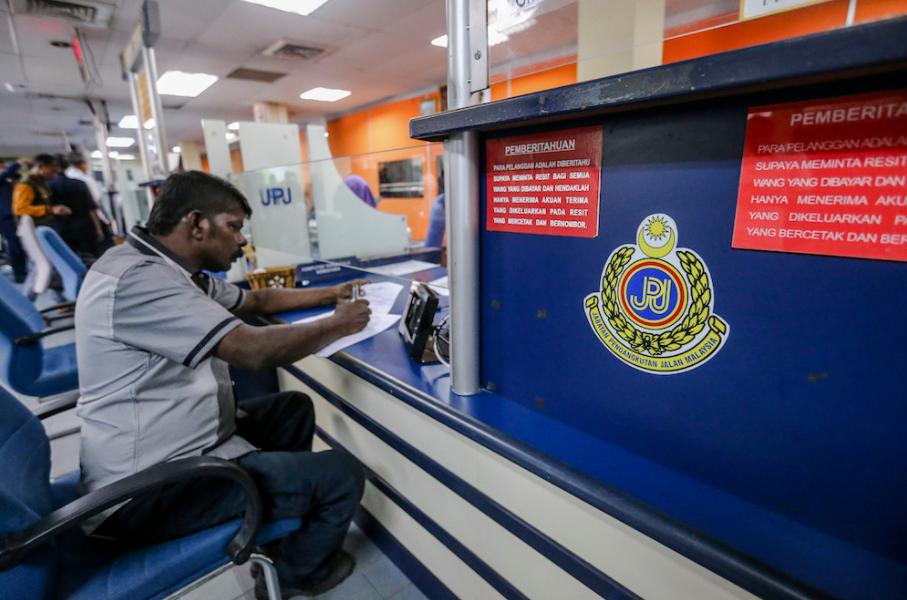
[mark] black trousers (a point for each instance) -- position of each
(323, 488)
(15, 254)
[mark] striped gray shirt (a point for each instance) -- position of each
(146, 324)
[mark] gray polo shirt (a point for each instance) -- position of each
(146, 324)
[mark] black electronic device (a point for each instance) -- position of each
(416, 324)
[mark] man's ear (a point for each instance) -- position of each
(198, 224)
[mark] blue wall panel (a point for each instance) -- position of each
(802, 412)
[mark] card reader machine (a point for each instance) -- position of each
(416, 324)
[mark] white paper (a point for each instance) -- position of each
(376, 324)
(402, 268)
(440, 286)
(381, 297)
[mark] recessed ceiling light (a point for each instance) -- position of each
(113, 154)
(96, 154)
(494, 38)
(300, 7)
(190, 85)
(126, 156)
(234, 126)
(128, 122)
(177, 149)
(324, 94)
(120, 142)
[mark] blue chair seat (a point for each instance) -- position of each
(31, 370)
(59, 372)
(66, 564)
(91, 569)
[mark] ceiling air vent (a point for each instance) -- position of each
(285, 49)
(80, 12)
(255, 75)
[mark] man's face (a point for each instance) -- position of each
(224, 241)
(46, 171)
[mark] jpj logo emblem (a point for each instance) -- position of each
(655, 307)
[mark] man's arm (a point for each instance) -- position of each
(253, 348)
(270, 301)
(23, 196)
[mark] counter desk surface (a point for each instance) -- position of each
(753, 547)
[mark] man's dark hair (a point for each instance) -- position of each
(181, 193)
(46, 160)
(62, 162)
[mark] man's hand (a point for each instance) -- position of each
(60, 209)
(352, 317)
(344, 291)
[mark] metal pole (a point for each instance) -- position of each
(157, 109)
(462, 192)
(143, 150)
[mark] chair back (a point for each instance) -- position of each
(19, 365)
(41, 270)
(25, 496)
(67, 263)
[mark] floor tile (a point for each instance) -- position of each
(386, 577)
(410, 593)
(356, 587)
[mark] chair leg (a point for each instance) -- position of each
(270, 573)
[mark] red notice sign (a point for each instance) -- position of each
(545, 183)
(826, 177)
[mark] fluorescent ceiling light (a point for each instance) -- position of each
(120, 142)
(190, 85)
(113, 154)
(324, 94)
(300, 7)
(126, 156)
(234, 126)
(177, 149)
(96, 154)
(495, 37)
(132, 122)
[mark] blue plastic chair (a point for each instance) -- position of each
(436, 224)
(67, 263)
(26, 366)
(44, 555)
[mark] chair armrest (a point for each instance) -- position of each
(60, 306)
(54, 407)
(31, 338)
(15, 545)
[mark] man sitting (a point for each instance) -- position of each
(154, 335)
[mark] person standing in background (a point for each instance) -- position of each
(79, 169)
(81, 230)
(32, 197)
(15, 254)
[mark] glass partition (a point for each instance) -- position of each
(369, 212)
(541, 44)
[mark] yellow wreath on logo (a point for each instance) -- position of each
(695, 320)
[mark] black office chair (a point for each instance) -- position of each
(44, 555)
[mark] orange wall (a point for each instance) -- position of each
(381, 134)
(553, 77)
(802, 21)
(236, 160)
